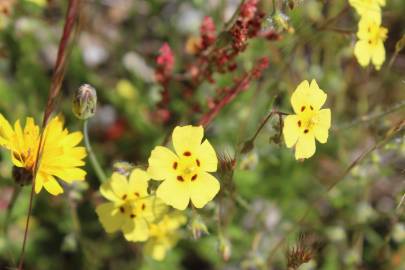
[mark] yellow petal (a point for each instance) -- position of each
(52, 186)
(323, 125)
(378, 55)
(138, 182)
(107, 192)
(70, 174)
(291, 130)
(156, 250)
(203, 189)
(187, 138)
(362, 52)
(73, 139)
(39, 182)
(317, 97)
(119, 184)
(306, 96)
(161, 163)
(111, 219)
(298, 98)
(207, 157)
(136, 231)
(6, 131)
(305, 147)
(174, 193)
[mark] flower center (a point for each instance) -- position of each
(307, 119)
(132, 207)
(376, 34)
(188, 167)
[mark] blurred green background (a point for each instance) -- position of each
(357, 223)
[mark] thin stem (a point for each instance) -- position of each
(21, 263)
(400, 203)
(389, 135)
(93, 159)
(367, 118)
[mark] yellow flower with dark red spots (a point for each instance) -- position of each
(186, 173)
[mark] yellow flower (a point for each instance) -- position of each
(369, 8)
(309, 121)
(370, 46)
(60, 157)
(164, 235)
(130, 208)
(185, 173)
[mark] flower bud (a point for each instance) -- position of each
(225, 248)
(198, 227)
(85, 102)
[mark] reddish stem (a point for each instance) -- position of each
(57, 78)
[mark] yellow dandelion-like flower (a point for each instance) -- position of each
(164, 235)
(185, 174)
(130, 208)
(310, 122)
(370, 8)
(60, 156)
(370, 46)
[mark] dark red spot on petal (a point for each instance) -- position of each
(136, 194)
(122, 209)
(299, 123)
(143, 206)
(198, 162)
(193, 177)
(187, 153)
(306, 131)
(302, 108)
(175, 165)
(312, 108)
(124, 196)
(180, 178)
(132, 216)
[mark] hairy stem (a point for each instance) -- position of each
(93, 159)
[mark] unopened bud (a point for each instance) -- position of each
(85, 102)
(198, 227)
(22, 176)
(225, 248)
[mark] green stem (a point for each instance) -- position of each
(93, 159)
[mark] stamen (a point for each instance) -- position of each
(187, 153)
(175, 165)
(194, 177)
(180, 178)
(132, 216)
(143, 206)
(299, 123)
(198, 162)
(122, 209)
(137, 194)
(124, 196)
(306, 131)
(312, 108)
(302, 108)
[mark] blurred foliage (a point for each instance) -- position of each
(357, 222)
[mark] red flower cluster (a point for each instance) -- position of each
(208, 33)
(163, 74)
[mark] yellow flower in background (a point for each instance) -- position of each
(310, 122)
(60, 156)
(130, 208)
(185, 174)
(370, 46)
(164, 235)
(369, 8)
